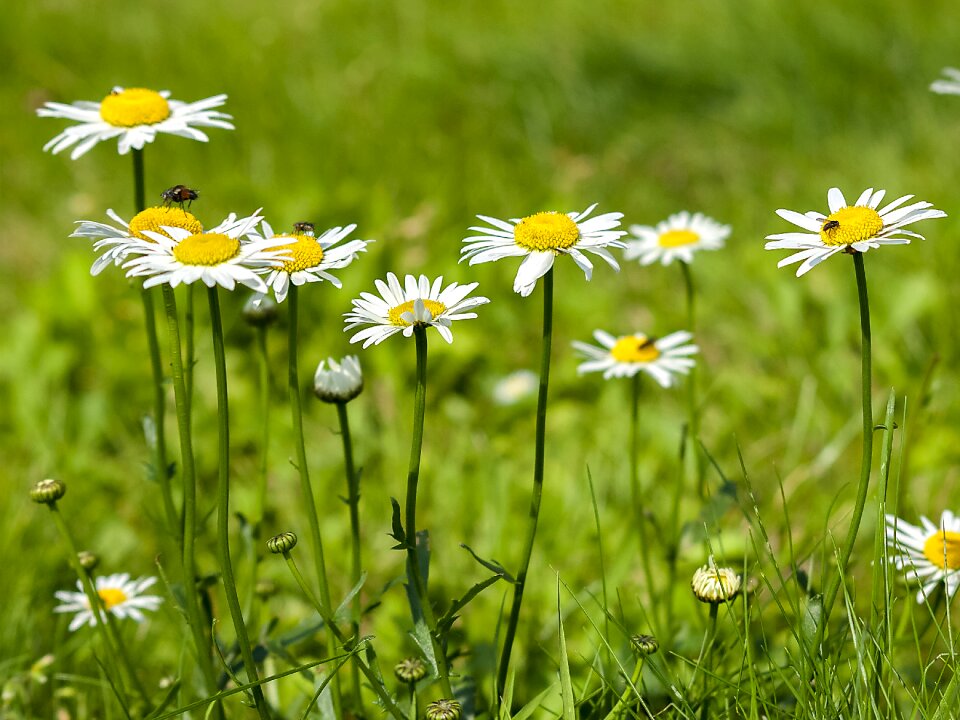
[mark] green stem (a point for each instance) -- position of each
(415, 577)
(623, 703)
(638, 508)
(263, 377)
(537, 493)
(223, 503)
(139, 195)
(702, 663)
(188, 346)
(293, 380)
(693, 416)
(353, 500)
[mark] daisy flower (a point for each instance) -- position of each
(120, 596)
(401, 308)
(115, 242)
(540, 238)
(676, 238)
(134, 116)
(929, 553)
(661, 358)
(215, 257)
(338, 382)
(715, 585)
(515, 387)
(848, 228)
(951, 86)
(311, 257)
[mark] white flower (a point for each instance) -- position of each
(401, 308)
(678, 237)
(950, 86)
(135, 116)
(116, 242)
(661, 358)
(340, 382)
(849, 228)
(120, 596)
(311, 257)
(930, 554)
(712, 584)
(540, 238)
(515, 387)
(215, 257)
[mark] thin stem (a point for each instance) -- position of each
(139, 195)
(188, 345)
(293, 381)
(623, 703)
(353, 500)
(417, 582)
(263, 378)
(223, 503)
(702, 663)
(693, 416)
(537, 493)
(638, 508)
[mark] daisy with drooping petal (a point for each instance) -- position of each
(134, 116)
(416, 303)
(540, 238)
(852, 228)
(663, 359)
(120, 596)
(929, 554)
(676, 238)
(216, 257)
(950, 86)
(311, 257)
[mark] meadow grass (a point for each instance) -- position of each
(409, 119)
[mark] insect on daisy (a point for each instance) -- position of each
(950, 86)
(852, 228)
(929, 553)
(663, 359)
(311, 257)
(418, 302)
(678, 237)
(540, 238)
(121, 596)
(134, 116)
(218, 256)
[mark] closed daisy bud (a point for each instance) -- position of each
(712, 584)
(410, 670)
(338, 382)
(284, 542)
(47, 492)
(443, 710)
(88, 560)
(644, 644)
(260, 310)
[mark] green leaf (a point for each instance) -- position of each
(491, 565)
(445, 622)
(566, 684)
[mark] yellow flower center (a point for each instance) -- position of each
(134, 106)
(634, 349)
(155, 217)
(111, 597)
(394, 314)
(849, 225)
(678, 238)
(305, 251)
(206, 249)
(943, 549)
(546, 231)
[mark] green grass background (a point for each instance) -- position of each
(409, 118)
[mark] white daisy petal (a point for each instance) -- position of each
(118, 595)
(663, 359)
(927, 553)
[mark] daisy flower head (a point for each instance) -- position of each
(220, 256)
(849, 228)
(134, 116)
(950, 86)
(678, 237)
(401, 308)
(928, 553)
(540, 238)
(338, 382)
(311, 256)
(663, 359)
(121, 596)
(715, 585)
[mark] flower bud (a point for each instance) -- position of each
(47, 492)
(410, 670)
(88, 560)
(443, 710)
(260, 310)
(282, 543)
(339, 383)
(712, 584)
(644, 644)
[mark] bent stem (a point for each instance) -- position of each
(417, 582)
(223, 503)
(693, 417)
(537, 493)
(623, 703)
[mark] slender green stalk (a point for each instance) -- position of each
(702, 664)
(537, 493)
(293, 379)
(223, 503)
(414, 576)
(638, 505)
(263, 378)
(624, 701)
(188, 345)
(353, 500)
(693, 415)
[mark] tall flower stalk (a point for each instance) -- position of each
(693, 410)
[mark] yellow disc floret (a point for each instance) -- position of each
(435, 308)
(207, 249)
(546, 231)
(634, 349)
(850, 225)
(155, 218)
(305, 251)
(111, 597)
(134, 106)
(943, 550)
(678, 238)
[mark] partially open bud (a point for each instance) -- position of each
(340, 382)
(712, 584)
(410, 670)
(47, 492)
(88, 560)
(284, 542)
(260, 310)
(644, 644)
(443, 710)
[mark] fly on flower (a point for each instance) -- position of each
(134, 116)
(180, 195)
(663, 359)
(678, 237)
(540, 238)
(121, 597)
(852, 228)
(929, 553)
